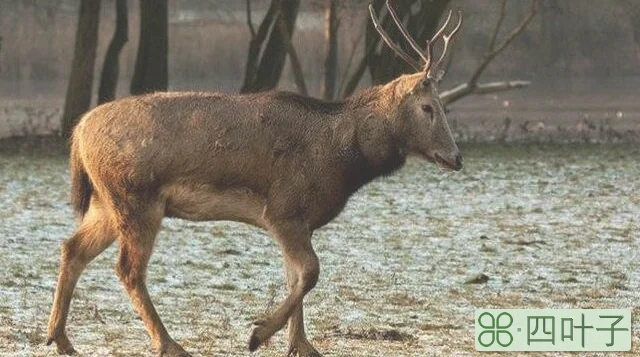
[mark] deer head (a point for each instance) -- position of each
(418, 105)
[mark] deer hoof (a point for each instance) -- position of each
(63, 345)
(303, 349)
(254, 343)
(173, 350)
(259, 336)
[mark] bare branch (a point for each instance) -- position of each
(249, 21)
(331, 50)
(111, 65)
(472, 85)
(503, 14)
(256, 44)
(355, 78)
(352, 54)
(349, 86)
(495, 51)
(298, 74)
(464, 89)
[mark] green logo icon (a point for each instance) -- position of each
(495, 329)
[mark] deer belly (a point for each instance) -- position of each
(206, 204)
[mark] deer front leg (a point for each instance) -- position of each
(303, 270)
(298, 343)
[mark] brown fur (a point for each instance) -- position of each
(278, 161)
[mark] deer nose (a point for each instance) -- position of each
(458, 166)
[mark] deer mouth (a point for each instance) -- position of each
(442, 162)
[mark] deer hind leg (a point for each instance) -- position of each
(93, 236)
(137, 236)
(303, 269)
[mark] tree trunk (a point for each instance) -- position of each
(298, 74)
(110, 68)
(352, 82)
(266, 74)
(78, 98)
(151, 68)
(256, 43)
(331, 50)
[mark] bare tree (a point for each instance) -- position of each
(298, 74)
(268, 46)
(331, 49)
(472, 86)
(350, 83)
(110, 68)
(78, 97)
(151, 68)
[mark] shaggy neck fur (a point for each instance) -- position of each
(378, 149)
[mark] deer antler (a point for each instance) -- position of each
(405, 32)
(426, 54)
(431, 43)
(447, 38)
(389, 42)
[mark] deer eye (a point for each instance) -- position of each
(425, 83)
(427, 108)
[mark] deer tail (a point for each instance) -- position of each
(81, 188)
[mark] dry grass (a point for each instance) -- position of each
(391, 285)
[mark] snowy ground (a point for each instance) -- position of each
(552, 227)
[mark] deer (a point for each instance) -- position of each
(279, 161)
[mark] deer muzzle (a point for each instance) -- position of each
(454, 162)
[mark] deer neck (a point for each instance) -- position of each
(377, 141)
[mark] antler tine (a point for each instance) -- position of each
(390, 43)
(433, 40)
(448, 37)
(405, 32)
